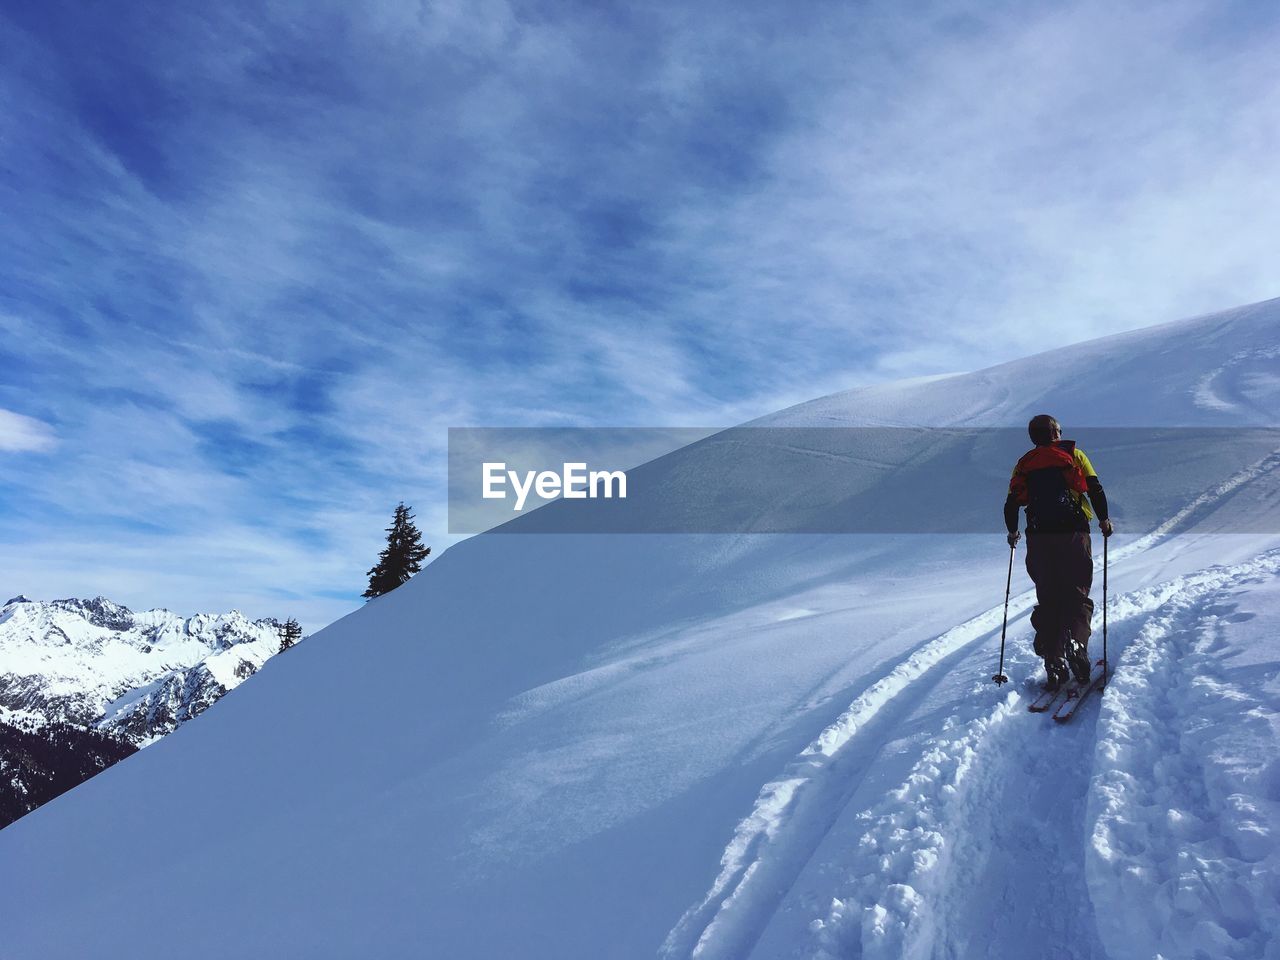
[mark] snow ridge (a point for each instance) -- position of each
(556, 746)
(795, 811)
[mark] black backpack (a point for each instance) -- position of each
(1051, 507)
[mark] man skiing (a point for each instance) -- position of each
(1052, 481)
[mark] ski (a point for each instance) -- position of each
(1077, 695)
(1046, 700)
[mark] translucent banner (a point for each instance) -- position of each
(841, 479)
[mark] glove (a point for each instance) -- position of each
(1013, 538)
(1105, 527)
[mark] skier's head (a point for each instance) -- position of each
(1044, 430)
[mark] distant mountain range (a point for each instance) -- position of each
(84, 683)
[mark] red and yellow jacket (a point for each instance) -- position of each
(1077, 474)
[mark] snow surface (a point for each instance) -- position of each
(570, 746)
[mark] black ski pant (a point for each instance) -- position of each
(1061, 566)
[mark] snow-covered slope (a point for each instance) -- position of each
(134, 675)
(737, 746)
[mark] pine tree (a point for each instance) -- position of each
(402, 557)
(290, 633)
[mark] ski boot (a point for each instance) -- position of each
(1078, 657)
(1058, 674)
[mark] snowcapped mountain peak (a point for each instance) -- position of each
(97, 663)
(18, 599)
(99, 611)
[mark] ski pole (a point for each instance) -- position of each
(1104, 608)
(1000, 678)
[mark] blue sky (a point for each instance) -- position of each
(258, 257)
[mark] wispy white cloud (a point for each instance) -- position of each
(19, 433)
(281, 254)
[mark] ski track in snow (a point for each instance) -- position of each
(970, 818)
(795, 812)
(1174, 830)
(1222, 390)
